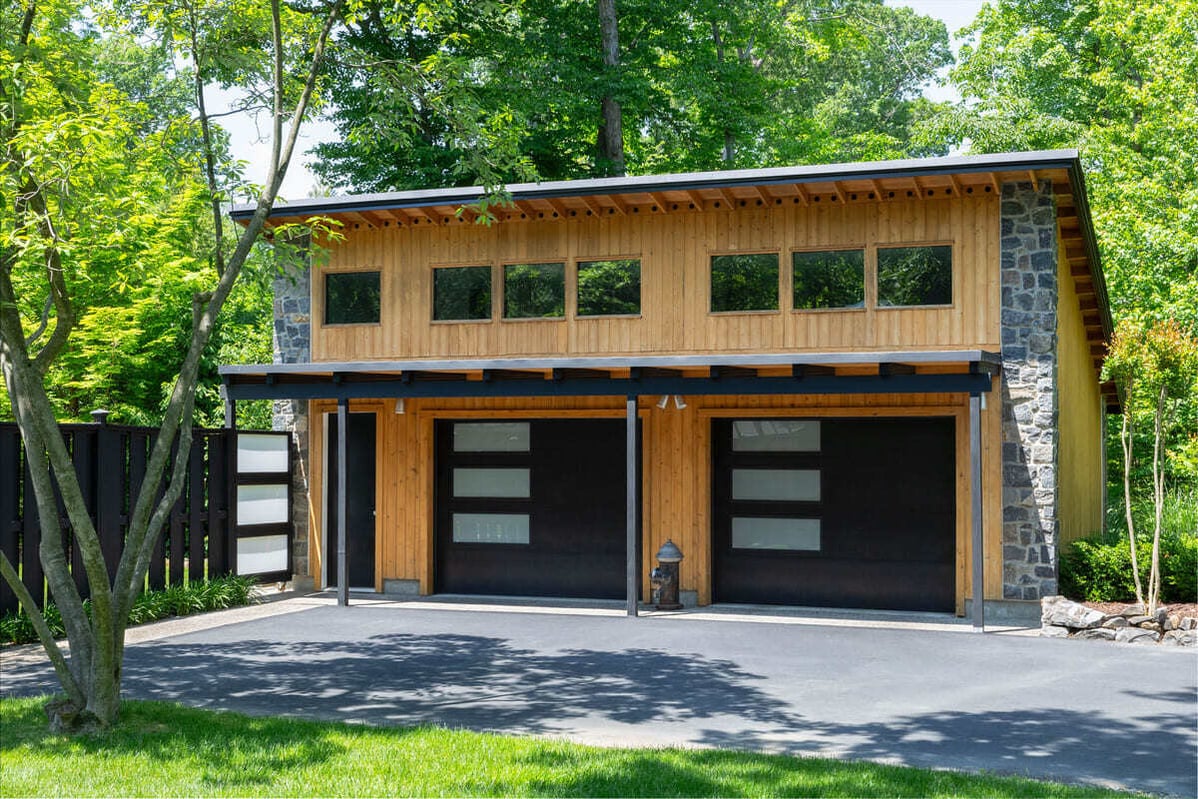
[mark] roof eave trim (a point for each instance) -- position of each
(693, 181)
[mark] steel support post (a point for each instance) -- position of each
(342, 563)
(630, 504)
(975, 496)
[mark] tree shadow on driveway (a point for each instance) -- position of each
(641, 696)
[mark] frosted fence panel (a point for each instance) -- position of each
(262, 554)
(262, 504)
(261, 453)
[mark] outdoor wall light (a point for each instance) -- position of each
(679, 403)
(664, 401)
(399, 409)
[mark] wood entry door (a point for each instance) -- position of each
(359, 500)
(531, 508)
(836, 512)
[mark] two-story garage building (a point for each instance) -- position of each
(866, 385)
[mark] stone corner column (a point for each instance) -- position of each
(293, 344)
(1029, 391)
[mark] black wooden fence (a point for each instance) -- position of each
(199, 541)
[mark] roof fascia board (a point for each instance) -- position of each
(974, 383)
(692, 181)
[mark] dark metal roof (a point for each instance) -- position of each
(689, 181)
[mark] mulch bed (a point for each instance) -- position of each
(1111, 608)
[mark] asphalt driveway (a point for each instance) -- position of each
(929, 695)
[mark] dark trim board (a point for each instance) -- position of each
(340, 387)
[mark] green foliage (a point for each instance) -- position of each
(1098, 569)
(1119, 79)
(177, 600)
(161, 749)
(103, 122)
(701, 85)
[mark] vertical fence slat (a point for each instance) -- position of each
(112, 482)
(195, 509)
(31, 539)
(10, 492)
(110, 463)
(139, 445)
(83, 455)
(218, 504)
(175, 539)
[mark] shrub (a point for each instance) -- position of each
(178, 600)
(1098, 568)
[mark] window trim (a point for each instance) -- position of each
(324, 297)
(432, 292)
(893, 245)
(752, 312)
(865, 278)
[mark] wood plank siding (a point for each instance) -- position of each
(675, 250)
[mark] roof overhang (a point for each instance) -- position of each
(921, 372)
(811, 185)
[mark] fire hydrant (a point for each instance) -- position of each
(664, 578)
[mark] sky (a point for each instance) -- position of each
(249, 142)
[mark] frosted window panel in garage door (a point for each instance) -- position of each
(490, 528)
(258, 453)
(490, 437)
(262, 504)
(491, 483)
(791, 534)
(775, 435)
(262, 554)
(780, 485)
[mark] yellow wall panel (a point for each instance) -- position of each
(1080, 468)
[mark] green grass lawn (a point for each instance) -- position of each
(160, 749)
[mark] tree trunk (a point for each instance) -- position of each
(92, 676)
(611, 129)
(1125, 438)
(1158, 501)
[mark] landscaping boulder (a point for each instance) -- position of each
(1115, 622)
(1137, 635)
(1058, 611)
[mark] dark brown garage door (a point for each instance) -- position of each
(531, 508)
(835, 512)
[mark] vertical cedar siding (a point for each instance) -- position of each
(675, 250)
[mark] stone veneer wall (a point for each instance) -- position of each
(1029, 391)
(293, 344)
